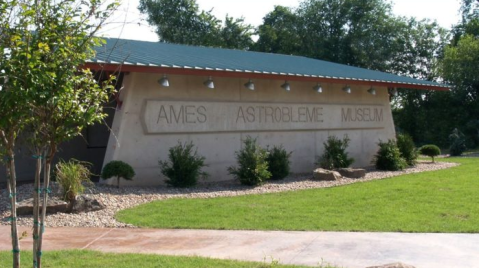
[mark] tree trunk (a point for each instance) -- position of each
(46, 191)
(36, 206)
(12, 193)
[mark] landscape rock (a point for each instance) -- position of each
(54, 205)
(321, 174)
(393, 265)
(85, 204)
(353, 173)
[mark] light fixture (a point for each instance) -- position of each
(372, 91)
(249, 85)
(347, 89)
(286, 86)
(393, 91)
(209, 83)
(164, 81)
(318, 88)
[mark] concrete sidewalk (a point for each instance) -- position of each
(349, 250)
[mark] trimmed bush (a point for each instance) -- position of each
(278, 162)
(118, 169)
(407, 148)
(389, 157)
(184, 167)
(252, 164)
(73, 176)
(458, 143)
(335, 155)
(430, 150)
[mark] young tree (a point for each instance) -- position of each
(14, 110)
(47, 42)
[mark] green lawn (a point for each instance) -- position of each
(93, 259)
(437, 201)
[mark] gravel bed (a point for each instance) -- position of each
(119, 199)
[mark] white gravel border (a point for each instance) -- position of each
(119, 199)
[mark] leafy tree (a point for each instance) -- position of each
(13, 110)
(279, 32)
(181, 22)
(46, 42)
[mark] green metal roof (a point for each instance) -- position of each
(156, 54)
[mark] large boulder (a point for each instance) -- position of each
(393, 265)
(54, 205)
(85, 203)
(352, 173)
(321, 174)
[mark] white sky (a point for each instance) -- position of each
(128, 23)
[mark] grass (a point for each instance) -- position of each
(437, 201)
(84, 258)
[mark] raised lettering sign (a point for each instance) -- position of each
(190, 117)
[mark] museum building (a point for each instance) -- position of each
(216, 97)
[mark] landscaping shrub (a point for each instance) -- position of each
(184, 167)
(73, 176)
(407, 148)
(118, 169)
(430, 150)
(252, 164)
(278, 162)
(335, 155)
(389, 157)
(458, 143)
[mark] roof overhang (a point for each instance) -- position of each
(125, 68)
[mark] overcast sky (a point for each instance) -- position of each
(128, 23)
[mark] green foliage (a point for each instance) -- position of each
(252, 164)
(278, 162)
(458, 143)
(118, 169)
(184, 166)
(430, 150)
(389, 157)
(181, 22)
(279, 33)
(73, 176)
(335, 155)
(407, 148)
(42, 46)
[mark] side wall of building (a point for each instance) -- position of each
(152, 119)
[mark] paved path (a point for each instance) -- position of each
(349, 250)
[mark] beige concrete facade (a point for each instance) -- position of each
(153, 118)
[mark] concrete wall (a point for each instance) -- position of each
(149, 122)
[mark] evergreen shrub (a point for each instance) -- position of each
(118, 169)
(389, 157)
(252, 162)
(407, 148)
(458, 143)
(430, 150)
(184, 167)
(278, 162)
(335, 155)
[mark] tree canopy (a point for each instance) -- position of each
(181, 22)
